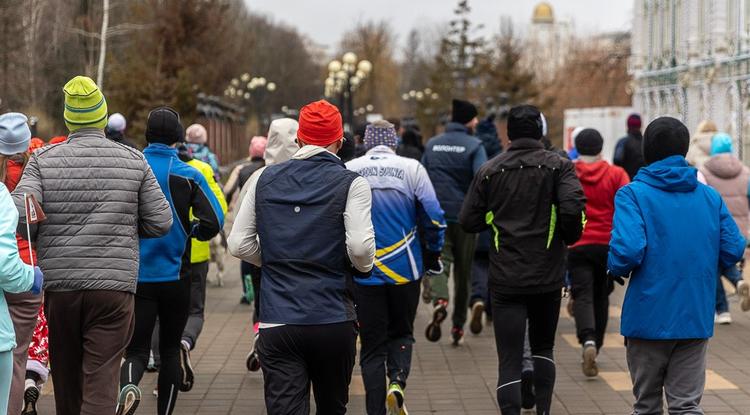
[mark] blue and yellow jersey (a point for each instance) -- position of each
(405, 213)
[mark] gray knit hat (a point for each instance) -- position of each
(14, 133)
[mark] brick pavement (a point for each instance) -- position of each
(444, 379)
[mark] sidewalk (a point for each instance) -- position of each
(444, 379)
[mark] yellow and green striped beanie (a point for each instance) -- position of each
(85, 105)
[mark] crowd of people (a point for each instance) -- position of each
(338, 241)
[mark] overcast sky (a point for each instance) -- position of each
(325, 21)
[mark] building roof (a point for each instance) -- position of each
(543, 13)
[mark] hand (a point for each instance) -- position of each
(432, 263)
(36, 288)
(620, 279)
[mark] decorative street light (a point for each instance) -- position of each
(251, 89)
(345, 77)
(424, 96)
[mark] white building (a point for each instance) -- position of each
(547, 42)
(691, 60)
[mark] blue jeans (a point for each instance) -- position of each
(734, 276)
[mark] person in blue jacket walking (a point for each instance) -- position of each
(163, 289)
(15, 277)
(671, 235)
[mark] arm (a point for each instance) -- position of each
(475, 212)
(243, 240)
(154, 212)
(207, 209)
(360, 235)
(429, 212)
(479, 158)
(628, 244)
(571, 202)
(217, 192)
(232, 183)
(732, 244)
(15, 276)
(31, 183)
(618, 159)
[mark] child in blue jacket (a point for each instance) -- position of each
(671, 235)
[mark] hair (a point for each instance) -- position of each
(22, 157)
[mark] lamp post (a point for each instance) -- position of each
(425, 97)
(345, 77)
(252, 89)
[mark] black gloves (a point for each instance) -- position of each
(432, 263)
(620, 279)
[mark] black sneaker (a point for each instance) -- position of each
(30, 396)
(457, 334)
(186, 368)
(528, 397)
(128, 400)
(439, 313)
(253, 360)
(244, 300)
(477, 310)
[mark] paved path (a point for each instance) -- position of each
(444, 379)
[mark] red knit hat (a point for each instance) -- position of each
(320, 124)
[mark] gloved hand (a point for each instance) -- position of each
(432, 263)
(620, 279)
(36, 288)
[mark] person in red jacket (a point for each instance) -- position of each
(587, 258)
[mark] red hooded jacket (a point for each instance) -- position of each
(600, 181)
(13, 172)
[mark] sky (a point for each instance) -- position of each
(325, 21)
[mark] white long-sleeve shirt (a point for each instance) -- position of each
(360, 235)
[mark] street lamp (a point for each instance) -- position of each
(424, 96)
(251, 89)
(345, 76)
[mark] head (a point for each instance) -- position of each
(465, 113)
(320, 125)
(257, 147)
(116, 123)
(721, 143)
(412, 137)
(665, 137)
(589, 143)
(163, 127)
(380, 133)
(634, 122)
(196, 134)
(707, 126)
(524, 121)
(85, 106)
(15, 136)
(281, 144)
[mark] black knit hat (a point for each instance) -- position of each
(524, 121)
(589, 142)
(463, 111)
(163, 126)
(665, 137)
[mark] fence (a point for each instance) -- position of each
(225, 124)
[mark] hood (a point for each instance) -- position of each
(591, 173)
(724, 166)
(13, 171)
(672, 174)
(282, 143)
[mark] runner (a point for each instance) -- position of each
(405, 210)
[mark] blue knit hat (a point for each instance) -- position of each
(14, 133)
(380, 133)
(721, 143)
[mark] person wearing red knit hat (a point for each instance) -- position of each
(306, 222)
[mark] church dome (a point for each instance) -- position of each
(543, 13)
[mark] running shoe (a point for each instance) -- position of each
(723, 318)
(30, 396)
(439, 313)
(151, 366)
(186, 368)
(528, 397)
(394, 401)
(457, 334)
(253, 360)
(128, 400)
(426, 290)
(477, 310)
(743, 290)
(589, 359)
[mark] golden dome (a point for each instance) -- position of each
(543, 13)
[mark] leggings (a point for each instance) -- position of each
(510, 313)
(6, 375)
(170, 301)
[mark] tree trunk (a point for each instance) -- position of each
(103, 44)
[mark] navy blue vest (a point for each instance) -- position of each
(306, 276)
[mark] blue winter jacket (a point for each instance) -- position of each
(673, 234)
(451, 160)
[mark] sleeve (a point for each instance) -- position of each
(429, 212)
(424, 157)
(732, 247)
(571, 203)
(217, 192)
(360, 234)
(243, 240)
(627, 246)
(154, 212)
(480, 157)
(624, 179)
(618, 159)
(207, 210)
(475, 215)
(232, 183)
(31, 183)
(15, 276)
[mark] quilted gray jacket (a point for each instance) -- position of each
(99, 197)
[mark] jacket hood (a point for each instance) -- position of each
(281, 141)
(591, 173)
(724, 166)
(672, 174)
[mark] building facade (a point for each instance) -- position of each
(691, 60)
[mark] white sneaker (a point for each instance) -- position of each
(723, 318)
(743, 291)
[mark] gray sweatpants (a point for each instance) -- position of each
(675, 368)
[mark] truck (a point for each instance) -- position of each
(609, 121)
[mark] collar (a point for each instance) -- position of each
(86, 134)
(525, 143)
(160, 149)
(454, 126)
(381, 149)
(310, 150)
